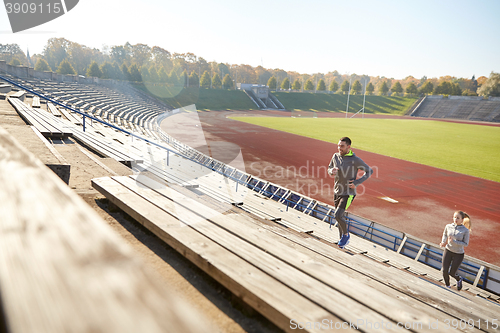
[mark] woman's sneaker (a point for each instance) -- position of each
(459, 283)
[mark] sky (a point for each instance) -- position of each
(390, 38)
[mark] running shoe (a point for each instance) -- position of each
(459, 283)
(344, 240)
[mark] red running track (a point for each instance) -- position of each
(426, 197)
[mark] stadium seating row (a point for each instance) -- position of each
(456, 107)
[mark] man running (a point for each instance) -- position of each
(344, 166)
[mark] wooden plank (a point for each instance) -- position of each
(28, 117)
(268, 296)
(478, 276)
(53, 109)
(54, 277)
(70, 117)
(59, 130)
(36, 102)
(401, 246)
(422, 247)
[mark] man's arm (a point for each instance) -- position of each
(331, 166)
(361, 165)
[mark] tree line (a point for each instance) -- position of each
(142, 63)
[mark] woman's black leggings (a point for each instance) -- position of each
(455, 260)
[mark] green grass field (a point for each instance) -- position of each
(468, 149)
(204, 99)
(337, 103)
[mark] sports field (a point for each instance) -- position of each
(464, 148)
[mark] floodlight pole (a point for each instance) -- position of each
(348, 95)
(364, 98)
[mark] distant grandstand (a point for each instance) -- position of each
(458, 107)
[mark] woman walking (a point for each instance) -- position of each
(455, 238)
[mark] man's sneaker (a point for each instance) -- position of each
(347, 239)
(337, 242)
(459, 283)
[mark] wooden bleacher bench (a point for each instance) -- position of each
(21, 95)
(53, 109)
(5, 88)
(55, 278)
(39, 120)
(36, 102)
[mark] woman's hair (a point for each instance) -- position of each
(467, 223)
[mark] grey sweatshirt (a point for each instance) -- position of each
(459, 235)
(348, 166)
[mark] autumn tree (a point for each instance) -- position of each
(194, 79)
(120, 54)
(184, 78)
(443, 88)
(427, 88)
(223, 69)
(345, 87)
(271, 83)
(173, 78)
(308, 85)
(244, 74)
(42, 66)
(125, 72)
(383, 88)
(227, 82)
(153, 74)
(491, 87)
(56, 51)
(15, 62)
(356, 87)
(397, 88)
(93, 70)
(321, 85)
(161, 57)
(141, 53)
(285, 84)
(411, 89)
(162, 74)
(66, 68)
(144, 73)
(370, 88)
(11, 51)
(473, 84)
(263, 74)
(296, 85)
(334, 86)
(106, 69)
(135, 75)
(455, 89)
(81, 56)
(205, 80)
(216, 81)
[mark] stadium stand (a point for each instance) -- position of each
(459, 107)
(270, 246)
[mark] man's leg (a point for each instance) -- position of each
(342, 202)
(339, 215)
